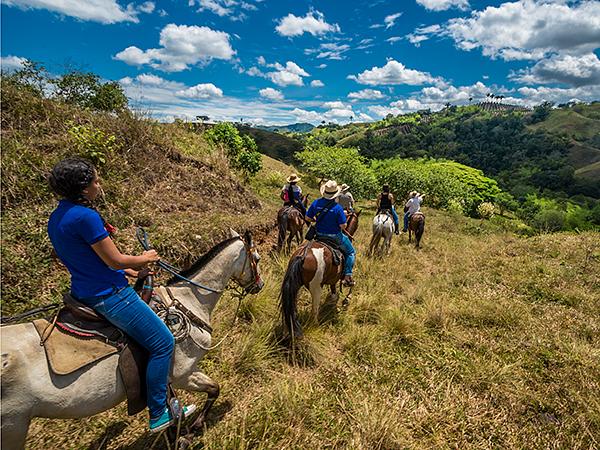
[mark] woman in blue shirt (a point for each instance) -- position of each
(331, 222)
(98, 269)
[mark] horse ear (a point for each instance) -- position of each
(233, 233)
(248, 238)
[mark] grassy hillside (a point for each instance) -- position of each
(275, 145)
(482, 339)
(581, 122)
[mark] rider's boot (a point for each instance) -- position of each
(166, 419)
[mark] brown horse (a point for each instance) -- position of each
(416, 224)
(290, 219)
(352, 223)
(310, 266)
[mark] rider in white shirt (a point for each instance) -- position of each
(412, 206)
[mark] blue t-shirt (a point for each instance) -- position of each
(329, 222)
(73, 229)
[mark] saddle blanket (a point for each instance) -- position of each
(67, 353)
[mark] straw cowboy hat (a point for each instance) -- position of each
(293, 178)
(344, 188)
(413, 194)
(330, 190)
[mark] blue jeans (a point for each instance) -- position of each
(346, 247)
(406, 219)
(128, 312)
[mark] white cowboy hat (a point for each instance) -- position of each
(293, 178)
(330, 190)
(413, 194)
(344, 187)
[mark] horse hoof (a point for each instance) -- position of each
(346, 303)
(184, 443)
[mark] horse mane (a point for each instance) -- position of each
(204, 259)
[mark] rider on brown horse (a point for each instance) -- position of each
(345, 199)
(291, 194)
(412, 206)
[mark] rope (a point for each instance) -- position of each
(142, 238)
(33, 312)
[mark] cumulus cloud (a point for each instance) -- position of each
(321, 66)
(225, 8)
(307, 116)
(334, 105)
(336, 114)
(103, 11)
(181, 47)
(442, 5)
(422, 34)
(366, 94)
(10, 63)
(537, 95)
(313, 23)
(204, 90)
(575, 71)
(289, 75)
(393, 73)
(271, 94)
(316, 83)
(529, 29)
(147, 7)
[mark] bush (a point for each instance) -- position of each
(343, 165)
(549, 220)
(455, 206)
(92, 143)
(486, 210)
(241, 151)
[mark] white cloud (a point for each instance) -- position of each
(146, 7)
(571, 70)
(307, 116)
(289, 75)
(393, 73)
(529, 29)
(393, 39)
(537, 95)
(313, 23)
(225, 8)
(149, 79)
(334, 105)
(261, 61)
(103, 11)
(204, 90)
(271, 94)
(330, 50)
(366, 94)
(316, 83)
(422, 34)
(255, 72)
(321, 66)
(10, 63)
(390, 20)
(442, 5)
(182, 46)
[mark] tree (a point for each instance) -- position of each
(86, 90)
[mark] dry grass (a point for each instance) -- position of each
(478, 341)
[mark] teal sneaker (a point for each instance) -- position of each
(165, 420)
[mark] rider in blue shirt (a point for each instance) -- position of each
(98, 269)
(331, 222)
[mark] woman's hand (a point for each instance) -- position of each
(150, 256)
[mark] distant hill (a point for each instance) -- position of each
(275, 145)
(293, 128)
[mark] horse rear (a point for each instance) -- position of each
(383, 228)
(416, 225)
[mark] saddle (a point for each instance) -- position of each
(78, 337)
(332, 245)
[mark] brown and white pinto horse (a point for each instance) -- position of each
(310, 266)
(289, 219)
(352, 223)
(416, 225)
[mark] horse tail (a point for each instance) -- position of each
(283, 223)
(292, 282)
(420, 229)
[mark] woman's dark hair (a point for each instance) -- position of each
(386, 188)
(70, 177)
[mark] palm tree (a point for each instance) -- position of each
(470, 100)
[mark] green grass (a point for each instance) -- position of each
(571, 123)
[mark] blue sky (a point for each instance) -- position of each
(288, 61)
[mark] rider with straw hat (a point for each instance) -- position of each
(331, 222)
(345, 199)
(291, 193)
(412, 206)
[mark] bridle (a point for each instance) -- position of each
(251, 287)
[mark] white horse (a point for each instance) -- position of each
(383, 227)
(30, 389)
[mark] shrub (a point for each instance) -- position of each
(241, 151)
(485, 210)
(549, 220)
(455, 206)
(93, 143)
(343, 165)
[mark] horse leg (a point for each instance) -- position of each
(14, 431)
(199, 382)
(409, 234)
(289, 241)
(315, 289)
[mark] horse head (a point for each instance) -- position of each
(248, 276)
